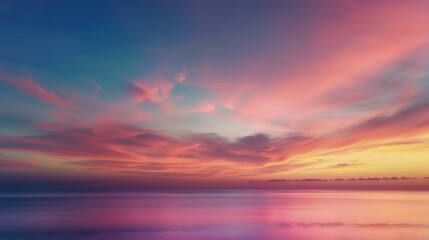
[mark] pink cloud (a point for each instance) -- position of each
(205, 107)
(151, 92)
(17, 163)
(182, 75)
(119, 142)
(342, 51)
(27, 85)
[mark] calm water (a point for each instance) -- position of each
(231, 215)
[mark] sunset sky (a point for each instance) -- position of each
(218, 93)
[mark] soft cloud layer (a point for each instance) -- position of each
(124, 143)
(352, 57)
(15, 163)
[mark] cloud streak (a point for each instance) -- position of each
(15, 163)
(126, 143)
(28, 86)
(152, 92)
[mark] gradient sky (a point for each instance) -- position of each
(213, 91)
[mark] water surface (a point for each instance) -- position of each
(217, 214)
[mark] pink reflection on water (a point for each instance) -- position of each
(219, 215)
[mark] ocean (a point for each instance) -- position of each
(216, 215)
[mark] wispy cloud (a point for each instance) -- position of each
(205, 107)
(28, 86)
(182, 76)
(150, 92)
(114, 139)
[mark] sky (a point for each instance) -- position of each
(122, 94)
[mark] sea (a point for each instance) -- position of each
(216, 214)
